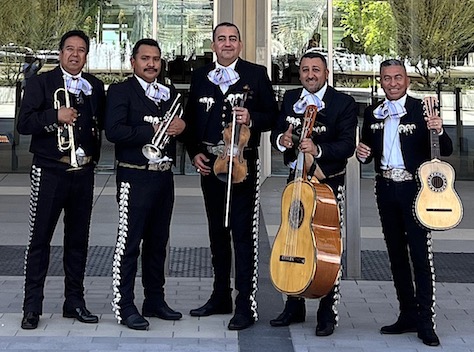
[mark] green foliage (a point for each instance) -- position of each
(39, 24)
(109, 78)
(369, 24)
(431, 32)
(354, 82)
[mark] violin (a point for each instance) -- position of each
(230, 165)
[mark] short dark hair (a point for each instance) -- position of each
(311, 54)
(392, 62)
(144, 41)
(224, 24)
(74, 33)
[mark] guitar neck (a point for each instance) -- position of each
(299, 170)
(434, 140)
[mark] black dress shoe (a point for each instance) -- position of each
(401, 326)
(240, 322)
(30, 320)
(211, 307)
(136, 322)
(82, 314)
(429, 337)
(164, 312)
(324, 329)
(293, 313)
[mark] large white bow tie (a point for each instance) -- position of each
(225, 76)
(309, 99)
(389, 108)
(75, 85)
(157, 92)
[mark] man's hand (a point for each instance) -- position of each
(286, 139)
(307, 146)
(434, 122)
(242, 115)
(200, 161)
(176, 127)
(363, 151)
(67, 116)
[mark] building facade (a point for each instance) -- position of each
(275, 33)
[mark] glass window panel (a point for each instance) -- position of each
(436, 42)
(121, 23)
(296, 25)
(185, 27)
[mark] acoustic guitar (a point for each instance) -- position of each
(306, 255)
(437, 205)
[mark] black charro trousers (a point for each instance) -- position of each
(53, 189)
(405, 240)
(242, 232)
(146, 200)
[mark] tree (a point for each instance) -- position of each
(431, 32)
(369, 24)
(39, 24)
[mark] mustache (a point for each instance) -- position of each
(151, 69)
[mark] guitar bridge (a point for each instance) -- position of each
(291, 259)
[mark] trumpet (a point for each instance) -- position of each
(154, 151)
(65, 135)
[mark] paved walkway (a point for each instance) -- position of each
(365, 304)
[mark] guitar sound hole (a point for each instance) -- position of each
(296, 214)
(437, 182)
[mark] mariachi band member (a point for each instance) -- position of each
(332, 142)
(396, 136)
(208, 111)
(63, 111)
(138, 110)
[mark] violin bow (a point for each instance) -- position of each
(229, 175)
(231, 156)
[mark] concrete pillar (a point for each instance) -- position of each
(252, 17)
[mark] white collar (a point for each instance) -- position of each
(320, 93)
(144, 83)
(79, 75)
(232, 65)
(402, 101)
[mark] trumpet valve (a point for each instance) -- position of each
(164, 142)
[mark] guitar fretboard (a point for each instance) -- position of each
(434, 139)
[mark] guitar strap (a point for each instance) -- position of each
(314, 169)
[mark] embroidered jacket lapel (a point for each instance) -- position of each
(141, 93)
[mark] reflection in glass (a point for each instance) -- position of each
(184, 33)
(185, 27)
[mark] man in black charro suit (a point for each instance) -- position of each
(332, 142)
(55, 184)
(208, 110)
(145, 185)
(396, 137)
